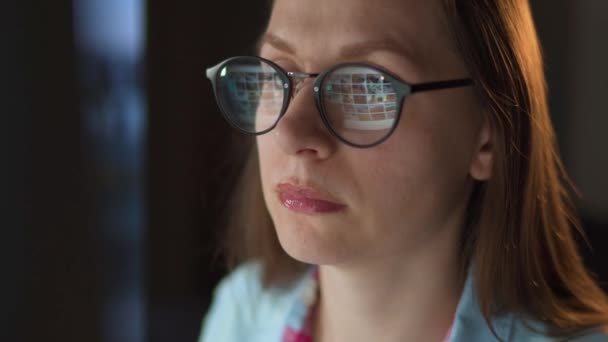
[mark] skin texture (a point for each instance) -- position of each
(388, 261)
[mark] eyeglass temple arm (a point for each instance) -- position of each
(462, 82)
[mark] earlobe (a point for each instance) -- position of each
(482, 161)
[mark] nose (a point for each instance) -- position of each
(300, 131)
(298, 83)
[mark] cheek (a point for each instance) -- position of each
(393, 179)
(274, 167)
(423, 167)
(267, 156)
(445, 124)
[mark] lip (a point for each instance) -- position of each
(307, 200)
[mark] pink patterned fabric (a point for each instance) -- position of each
(447, 336)
(299, 327)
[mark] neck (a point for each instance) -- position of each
(412, 297)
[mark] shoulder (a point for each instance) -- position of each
(242, 309)
(537, 331)
(470, 324)
(593, 335)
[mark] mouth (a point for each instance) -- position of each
(306, 200)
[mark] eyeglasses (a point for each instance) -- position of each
(359, 104)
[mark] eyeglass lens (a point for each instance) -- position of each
(360, 104)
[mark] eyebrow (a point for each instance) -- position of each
(356, 49)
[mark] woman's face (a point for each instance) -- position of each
(336, 204)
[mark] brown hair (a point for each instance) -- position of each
(521, 225)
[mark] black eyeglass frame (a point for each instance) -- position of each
(402, 89)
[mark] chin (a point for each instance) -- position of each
(309, 243)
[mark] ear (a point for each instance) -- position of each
(482, 161)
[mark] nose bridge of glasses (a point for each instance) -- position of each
(298, 79)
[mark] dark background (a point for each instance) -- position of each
(57, 264)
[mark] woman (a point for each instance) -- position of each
(411, 185)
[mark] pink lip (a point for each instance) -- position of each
(306, 200)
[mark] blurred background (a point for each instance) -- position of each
(114, 164)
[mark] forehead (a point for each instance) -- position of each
(318, 28)
(360, 12)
